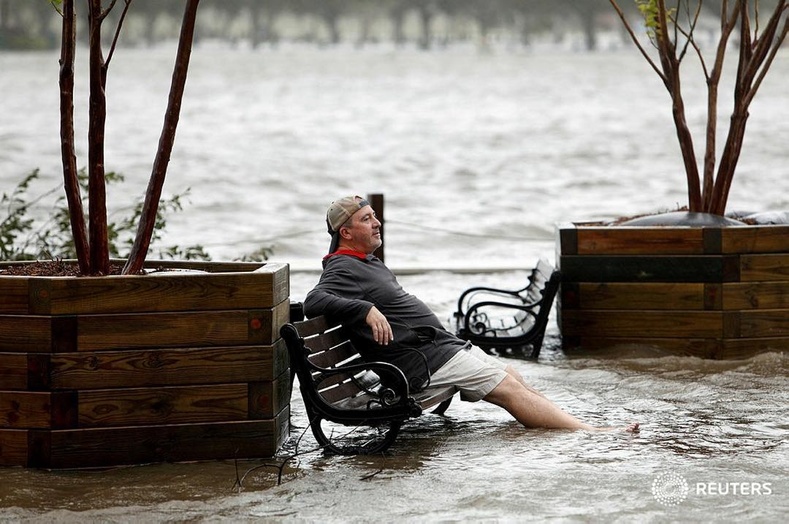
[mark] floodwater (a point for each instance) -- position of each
(479, 156)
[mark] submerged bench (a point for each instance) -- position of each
(509, 322)
(353, 406)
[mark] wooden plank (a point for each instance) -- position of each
(163, 405)
(334, 356)
(566, 239)
(323, 341)
(97, 447)
(771, 268)
(269, 398)
(688, 269)
(14, 295)
(172, 329)
(312, 326)
(167, 367)
(644, 323)
(159, 292)
(184, 329)
(38, 409)
(647, 295)
(341, 391)
(769, 323)
(25, 334)
(211, 266)
(635, 347)
(756, 239)
(742, 348)
(13, 447)
(756, 295)
(13, 371)
(153, 265)
(639, 240)
(280, 315)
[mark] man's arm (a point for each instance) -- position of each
(339, 296)
(321, 301)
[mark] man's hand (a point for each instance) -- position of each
(382, 331)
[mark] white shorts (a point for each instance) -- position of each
(474, 372)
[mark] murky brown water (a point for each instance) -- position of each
(501, 147)
(709, 422)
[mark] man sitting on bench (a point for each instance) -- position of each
(388, 324)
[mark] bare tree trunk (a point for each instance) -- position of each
(756, 54)
(670, 64)
(685, 139)
(97, 111)
(728, 164)
(68, 155)
(142, 240)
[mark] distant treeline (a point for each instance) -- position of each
(35, 24)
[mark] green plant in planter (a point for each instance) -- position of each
(91, 239)
(672, 33)
(23, 238)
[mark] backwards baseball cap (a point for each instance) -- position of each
(339, 212)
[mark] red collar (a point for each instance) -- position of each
(349, 252)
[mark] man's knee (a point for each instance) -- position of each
(505, 392)
(514, 373)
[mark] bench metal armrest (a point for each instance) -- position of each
(482, 326)
(468, 295)
(399, 386)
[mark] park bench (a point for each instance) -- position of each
(509, 322)
(353, 406)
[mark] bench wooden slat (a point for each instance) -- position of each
(334, 356)
(325, 340)
(312, 326)
(338, 392)
(342, 385)
(329, 380)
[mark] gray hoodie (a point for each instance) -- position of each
(351, 284)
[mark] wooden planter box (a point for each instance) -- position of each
(173, 366)
(707, 292)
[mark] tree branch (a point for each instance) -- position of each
(148, 219)
(97, 115)
(103, 14)
(117, 33)
(634, 38)
(68, 155)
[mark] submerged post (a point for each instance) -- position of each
(377, 203)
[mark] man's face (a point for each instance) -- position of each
(363, 231)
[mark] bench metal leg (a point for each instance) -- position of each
(338, 439)
(441, 408)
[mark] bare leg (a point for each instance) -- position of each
(533, 410)
(517, 376)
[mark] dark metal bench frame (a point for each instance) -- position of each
(337, 385)
(526, 311)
